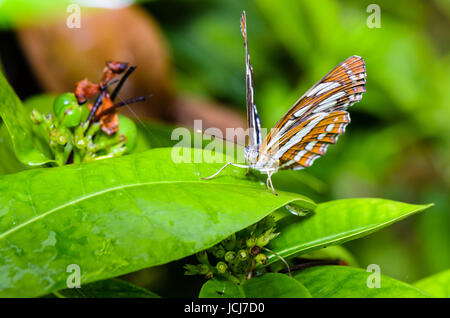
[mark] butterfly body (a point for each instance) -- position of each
(314, 122)
(264, 164)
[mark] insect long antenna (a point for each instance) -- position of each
(123, 103)
(122, 81)
(280, 258)
(221, 169)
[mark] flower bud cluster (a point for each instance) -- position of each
(72, 139)
(236, 257)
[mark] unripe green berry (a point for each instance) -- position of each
(230, 256)
(62, 139)
(203, 269)
(80, 143)
(117, 150)
(71, 116)
(128, 132)
(221, 267)
(67, 110)
(84, 113)
(260, 259)
(62, 102)
(242, 254)
(217, 250)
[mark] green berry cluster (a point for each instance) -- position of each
(236, 257)
(73, 139)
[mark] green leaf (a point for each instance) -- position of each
(41, 102)
(334, 252)
(345, 281)
(8, 162)
(221, 288)
(270, 285)
(336, 222)
(120, 215)
(29, 147)
(109, 288)
(437, 285)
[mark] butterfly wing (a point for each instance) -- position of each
(317, 118)
(254, 121)
(306, 146)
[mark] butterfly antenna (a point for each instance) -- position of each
(244, 34)
(244, 25)
(281, 259)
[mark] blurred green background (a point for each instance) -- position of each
(398, 144)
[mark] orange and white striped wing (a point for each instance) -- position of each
(326, 100)
(302, 148)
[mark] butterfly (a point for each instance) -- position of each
(314, 122)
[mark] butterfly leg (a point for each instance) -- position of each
(220, 170)
(269, 182)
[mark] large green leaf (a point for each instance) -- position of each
(437, 285)
(41, 102)
(334, 252)
(119, 215)
(29, 147)
(221, 288)
(345, 281)
(108, 288)
(336, 222)
(270, 285)
(8, 160)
